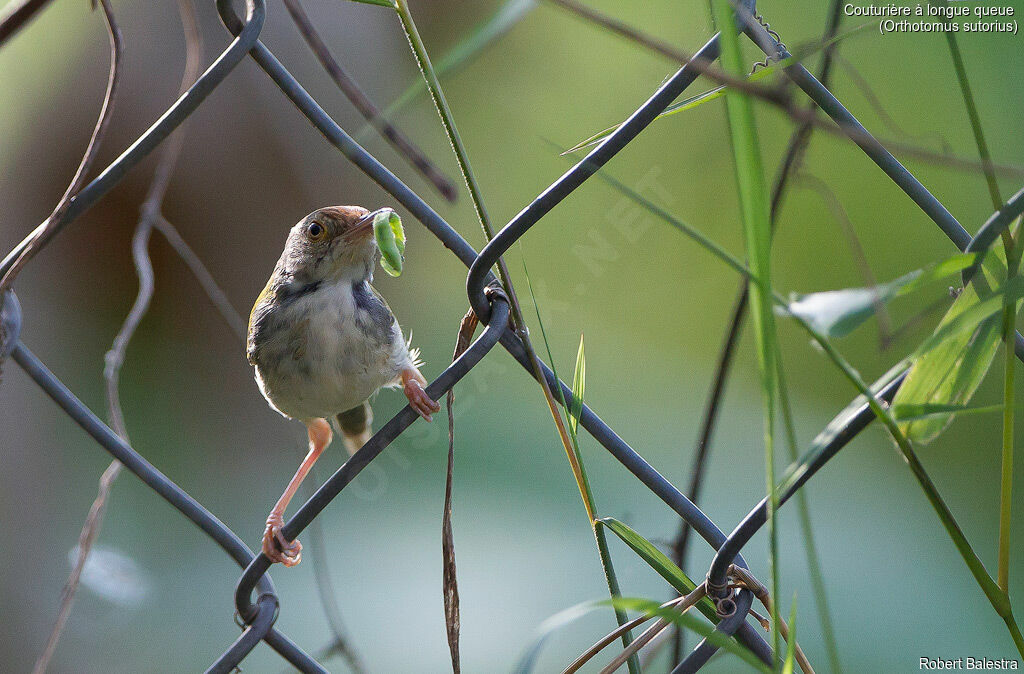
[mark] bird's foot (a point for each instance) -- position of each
(276, 547)
(412, 384)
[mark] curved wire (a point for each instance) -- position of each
(256, 570)
(583, 170)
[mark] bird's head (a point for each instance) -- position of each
(332, 243)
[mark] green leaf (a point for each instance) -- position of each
(790, 662)
(658, 561)
(579, 384)
(836, 313)
(951, 372)
(382, 3)
(390, 236)
(916, 411)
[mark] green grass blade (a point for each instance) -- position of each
(579, 384)
(790, 662)
(950, 373)
(753, 195)
(580, 470)
(975, 118)
(658, 561)
(914, 412)
(828, 632)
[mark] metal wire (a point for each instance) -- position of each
(256, 601)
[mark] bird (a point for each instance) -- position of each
(322, 341)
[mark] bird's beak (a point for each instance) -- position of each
(365, 225)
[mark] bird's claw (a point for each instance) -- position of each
(422, 403)
(276, 547)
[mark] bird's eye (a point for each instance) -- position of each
(315, 230)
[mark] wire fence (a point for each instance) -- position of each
(256, 600)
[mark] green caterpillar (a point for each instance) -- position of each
(387, 230)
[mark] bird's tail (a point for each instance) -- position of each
(355, 427)
(353, 443)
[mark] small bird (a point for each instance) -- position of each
(322, 341)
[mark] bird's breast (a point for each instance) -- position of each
(326, 351)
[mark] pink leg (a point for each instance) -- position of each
(275, 547)
(413, 383)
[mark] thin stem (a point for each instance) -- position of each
(810, 547)
(972, 113)
(366, 107)
(1006, 481)
(757, 237)
(42, 235)
(1013, 258)
(90, 530)
(997, 598)
(448, 121)
(583, 482)
(798, 142)
(1009, 319)
(213, 291)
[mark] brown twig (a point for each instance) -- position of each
(210, 286)
(779, 97)
(42, 234)
(16, 15)
(681, 604)
(115, 357)
(366, 107)
(684, 604)
(450, 584)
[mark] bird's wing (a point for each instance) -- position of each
(259, 310)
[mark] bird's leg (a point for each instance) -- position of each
(412, 383)
(275, 547)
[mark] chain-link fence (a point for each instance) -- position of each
(256, 600)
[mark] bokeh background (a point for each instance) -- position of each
(652, 304)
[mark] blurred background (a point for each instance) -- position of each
(653, 306)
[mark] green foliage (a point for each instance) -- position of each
(951, 372)
(549, 627)
(836, 313)
(658, 561)
(579, 385)
(790, 661)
